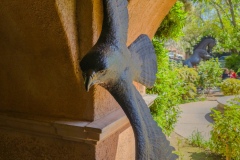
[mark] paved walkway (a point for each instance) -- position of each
(195, 116)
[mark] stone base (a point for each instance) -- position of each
(27, 137)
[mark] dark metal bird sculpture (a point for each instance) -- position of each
(114, 66)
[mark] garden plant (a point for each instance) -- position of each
(230, 86)
(169, 88)
(190, 78)
(210, 74)
(225, 135)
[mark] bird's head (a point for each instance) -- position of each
(94, 68)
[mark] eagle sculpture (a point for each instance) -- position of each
(114, 66)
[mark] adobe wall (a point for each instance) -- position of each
(38, 59)
(27, 146)
(22, 145)
(41, 44)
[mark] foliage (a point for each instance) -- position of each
(225, 137)
(238, 71)
(210, 74)
(233, 62)
(197, 140)
(169, 88)
(230, 86)
(171, 26)
(178, 151)
(219, 18)
(190, 78)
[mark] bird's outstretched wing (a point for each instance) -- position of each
(115, 20)
(143, 55)
(151, 143)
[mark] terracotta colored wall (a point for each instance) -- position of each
(17, 145)
(40, 45)
(146, 16)
(38, 52)
(118, 146)
(21, 145)
(126, 145)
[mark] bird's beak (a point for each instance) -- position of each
(88, 79)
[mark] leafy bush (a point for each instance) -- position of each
(169, 89)
(233, 62)
(230, 86)
(210, 74)
(197, 140)
(190, 78)
(225, 135)
(238, 70)
(171, 26)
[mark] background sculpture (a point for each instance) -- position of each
(201, 51)
(113, 65)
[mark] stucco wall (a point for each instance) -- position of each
(38, 47)
(15, 145)
(41, 43)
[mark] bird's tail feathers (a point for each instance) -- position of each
(160, 148)
(143, 55)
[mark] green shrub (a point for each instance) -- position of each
(171, 26)
(225, 135)
(210, 74)
(169, 88)
(197, 140)
(238, 70)
(190, 78)
(230, 86)
(233, 62)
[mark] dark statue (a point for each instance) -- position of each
(114, 66)
(201, 51)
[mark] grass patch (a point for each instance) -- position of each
(197, 140)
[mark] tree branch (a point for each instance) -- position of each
(219, 16)
(232, 13)
(213, 2)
